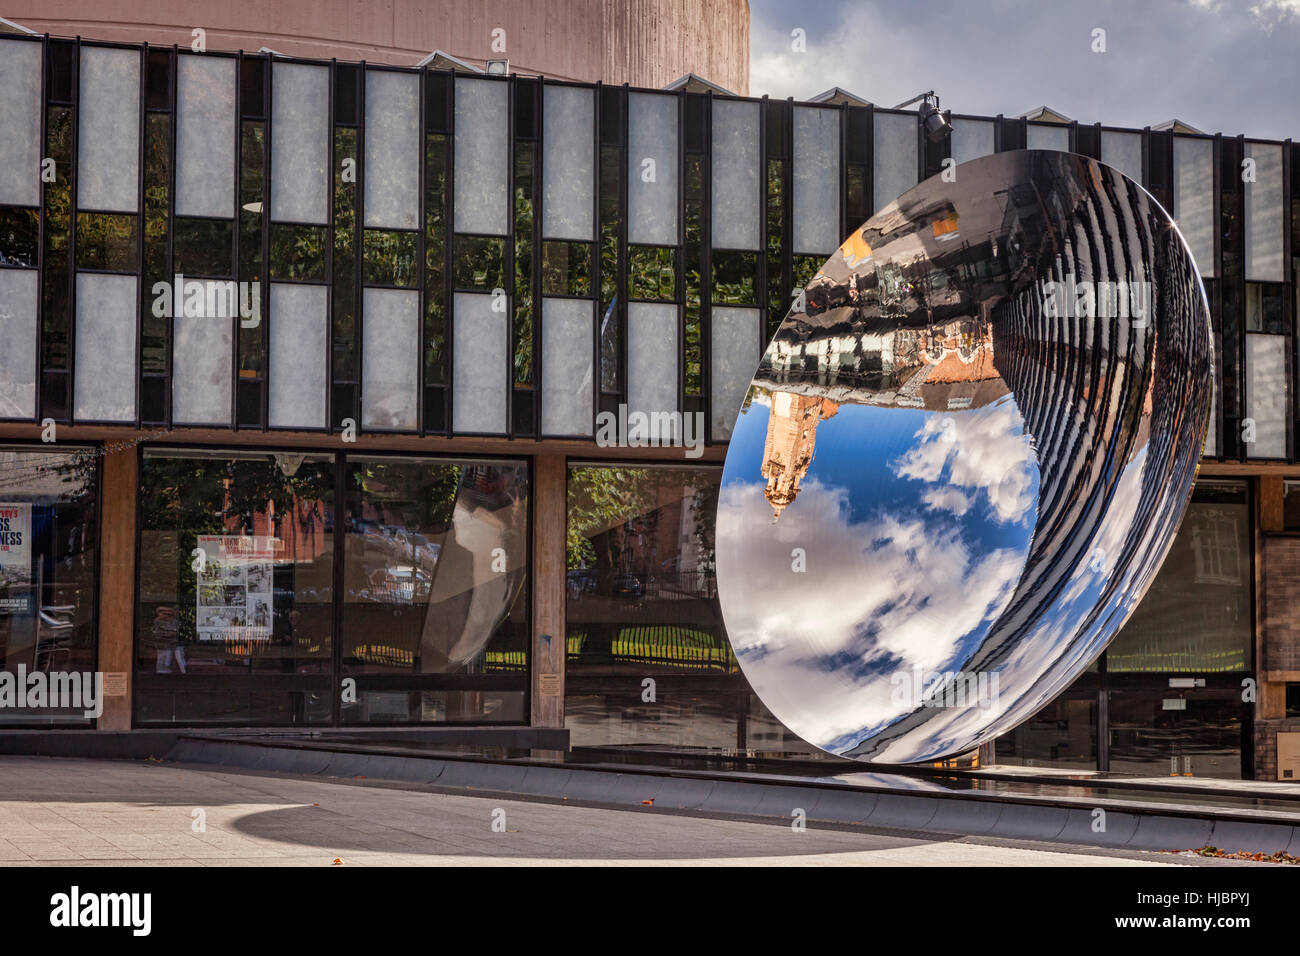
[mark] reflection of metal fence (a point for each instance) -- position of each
(665, 645)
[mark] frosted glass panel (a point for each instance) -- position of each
(108, 132)
(896, 157)
(1124, 152)
(735, 354)
(201, 376)
(205, 136)
(1266, 395)
(480, 388)
(482, 157)
(18, 290)
(390, 357)
(300, 143)
(1194, 198)
(104, 386)
(971, 139)
(654, 353)
(568, 163)
(1264, 215)
(652, 169)
(568, 328)
(20, 118)
(392, 168)
(737, 180)
(1048, 136)
(816, 199)
(299, 356)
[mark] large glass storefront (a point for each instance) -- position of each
(251, 563)
(1166, 697)
(648, 658)
(48, 566)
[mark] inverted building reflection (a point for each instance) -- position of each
(979, 425)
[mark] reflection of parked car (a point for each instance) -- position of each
(581, 581)
(627, 586)
(399, 585)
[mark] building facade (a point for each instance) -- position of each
(324, 390)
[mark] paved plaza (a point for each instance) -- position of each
(73, 811)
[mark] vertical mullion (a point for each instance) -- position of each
(359, 253)
(624, 151)
(169, 370)
(235, 230)
(268, 99)
(787, 209)
(512, 298)
(39, 377)
(535, 279)
(1288, 304)
(448, 283)
(70, 373)
(1216, 301)
(421, 202)
(140, 291)
(331, 224)
(341, 491)
(597, 258)
(706, 268)
(679, 273)
(761, 284)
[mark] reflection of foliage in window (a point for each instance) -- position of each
(478, 263)
(523, 264)
(435, 247)
(692, 348)
(601, 497)
(733, 278)
(389, 258)
(298, 252)
(106, 241)
(652, 272)
(566, 268)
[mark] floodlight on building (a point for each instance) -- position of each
(936, 125)
(498, 67)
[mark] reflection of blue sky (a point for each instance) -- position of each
(914, 549)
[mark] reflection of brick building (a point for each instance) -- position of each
(788, 451)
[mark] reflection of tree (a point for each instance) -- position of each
(198, 496)
(605, 497)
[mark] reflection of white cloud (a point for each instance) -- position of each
(948, 499)
(985, 449)
(888, 593)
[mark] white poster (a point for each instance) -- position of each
(15, 558)
(234, 598)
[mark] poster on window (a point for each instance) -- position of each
(234, 598)
(15, 558)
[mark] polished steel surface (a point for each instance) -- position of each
(964, 457)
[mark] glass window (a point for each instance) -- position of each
(642, 603)
(652, 273)
(1196, 617)
(435, 583)
(235, 613)
(1185, 733)
(48, 551)
(1063, 734)
(1264, 307)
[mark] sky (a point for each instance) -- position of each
(1230, 66)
